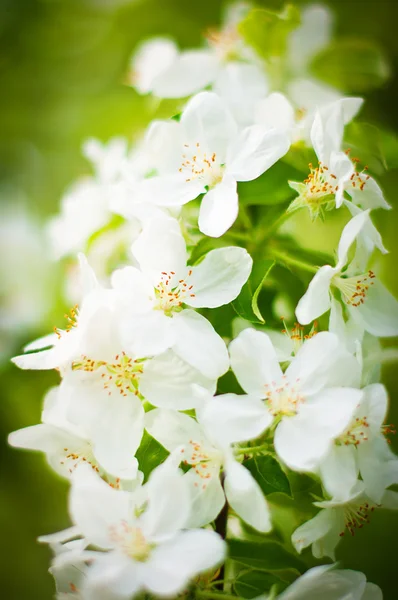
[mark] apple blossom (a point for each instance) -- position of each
(368, 302)
(310, 403)
(204, 153)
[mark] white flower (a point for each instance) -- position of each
(206, 447)
(153, 299)
(159, 67)
(338, 517)
(334, 584)
(362, 448)
(368, 302)
(66, 446)
(204, 153)
(139, 533)
(308, 403)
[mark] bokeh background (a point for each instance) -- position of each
(62, 67)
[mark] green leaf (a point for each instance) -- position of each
(251, 584)
(246, 304)
(149, 455)
(352, 65)
(256, 294)
(271, 188)
(268, 473)
(267, 31)
(263, 556)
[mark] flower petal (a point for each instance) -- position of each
(229, 418)
(245, 497)
(172, 429)
(219, 208)
(379, 312)
(254, 151)
(339, 471)
(254, 361)
(199, 345)
(219, 278)
(169, 382)
(189, 73)
(316, 299)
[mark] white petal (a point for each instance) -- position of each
(151, 58)
(95, 506)
(43, 437)
(231, 418)
(327, 131)
(304, 440)
(168, 499)
(134, 288)
(113, 576)
(169, 382)
(199, 345)
(161, 247)
(207, 120)
(219, 208)
(339, 471)
(42, 342)
(372, 592)
(317, 363)
(254, 361)
(349, 235)
(219, 278)
(316, 299)
(370, 196)
(207, 499)
(379, 312)
(244, 495)
(174, 563)
(275, 112)
(313, 34)
(254, 151)
(147, 334)
(88, 280)
(172, 429)
(170, 190)
(312, 530)
(370, 236)
(326, 583)
(192, 71)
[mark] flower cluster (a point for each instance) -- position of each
(172, 428)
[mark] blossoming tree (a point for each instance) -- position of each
(183, 418)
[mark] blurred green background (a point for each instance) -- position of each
(62, 64)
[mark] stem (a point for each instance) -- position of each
(294, 262)
(253, 449)
(221, 528)
(276, 224)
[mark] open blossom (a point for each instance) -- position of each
(334, 584)
(204, 153)
(338, 517)
(362, 448)
(308, 402)
(157, 299)
(205, 446)
(335, 172)
(160, 68)
(139, 534)
(366, 299)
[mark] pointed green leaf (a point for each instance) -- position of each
(268, 473)
(149, 455)
(256, 294)
(263, 556)
(251, 584)
(246, 304)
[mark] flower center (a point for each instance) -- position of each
(171, 293)
(71, 319)
(224, 41)
(356, 433)
(356, 516)
(73, 457)
(122, 374)
(354, 289)
(283, 398)
(198, 164)
(320, 183)
(131, 541)
(297, 336)
(206, 462)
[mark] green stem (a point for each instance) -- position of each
(253, 449)
(294, 262)
(275, 225)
